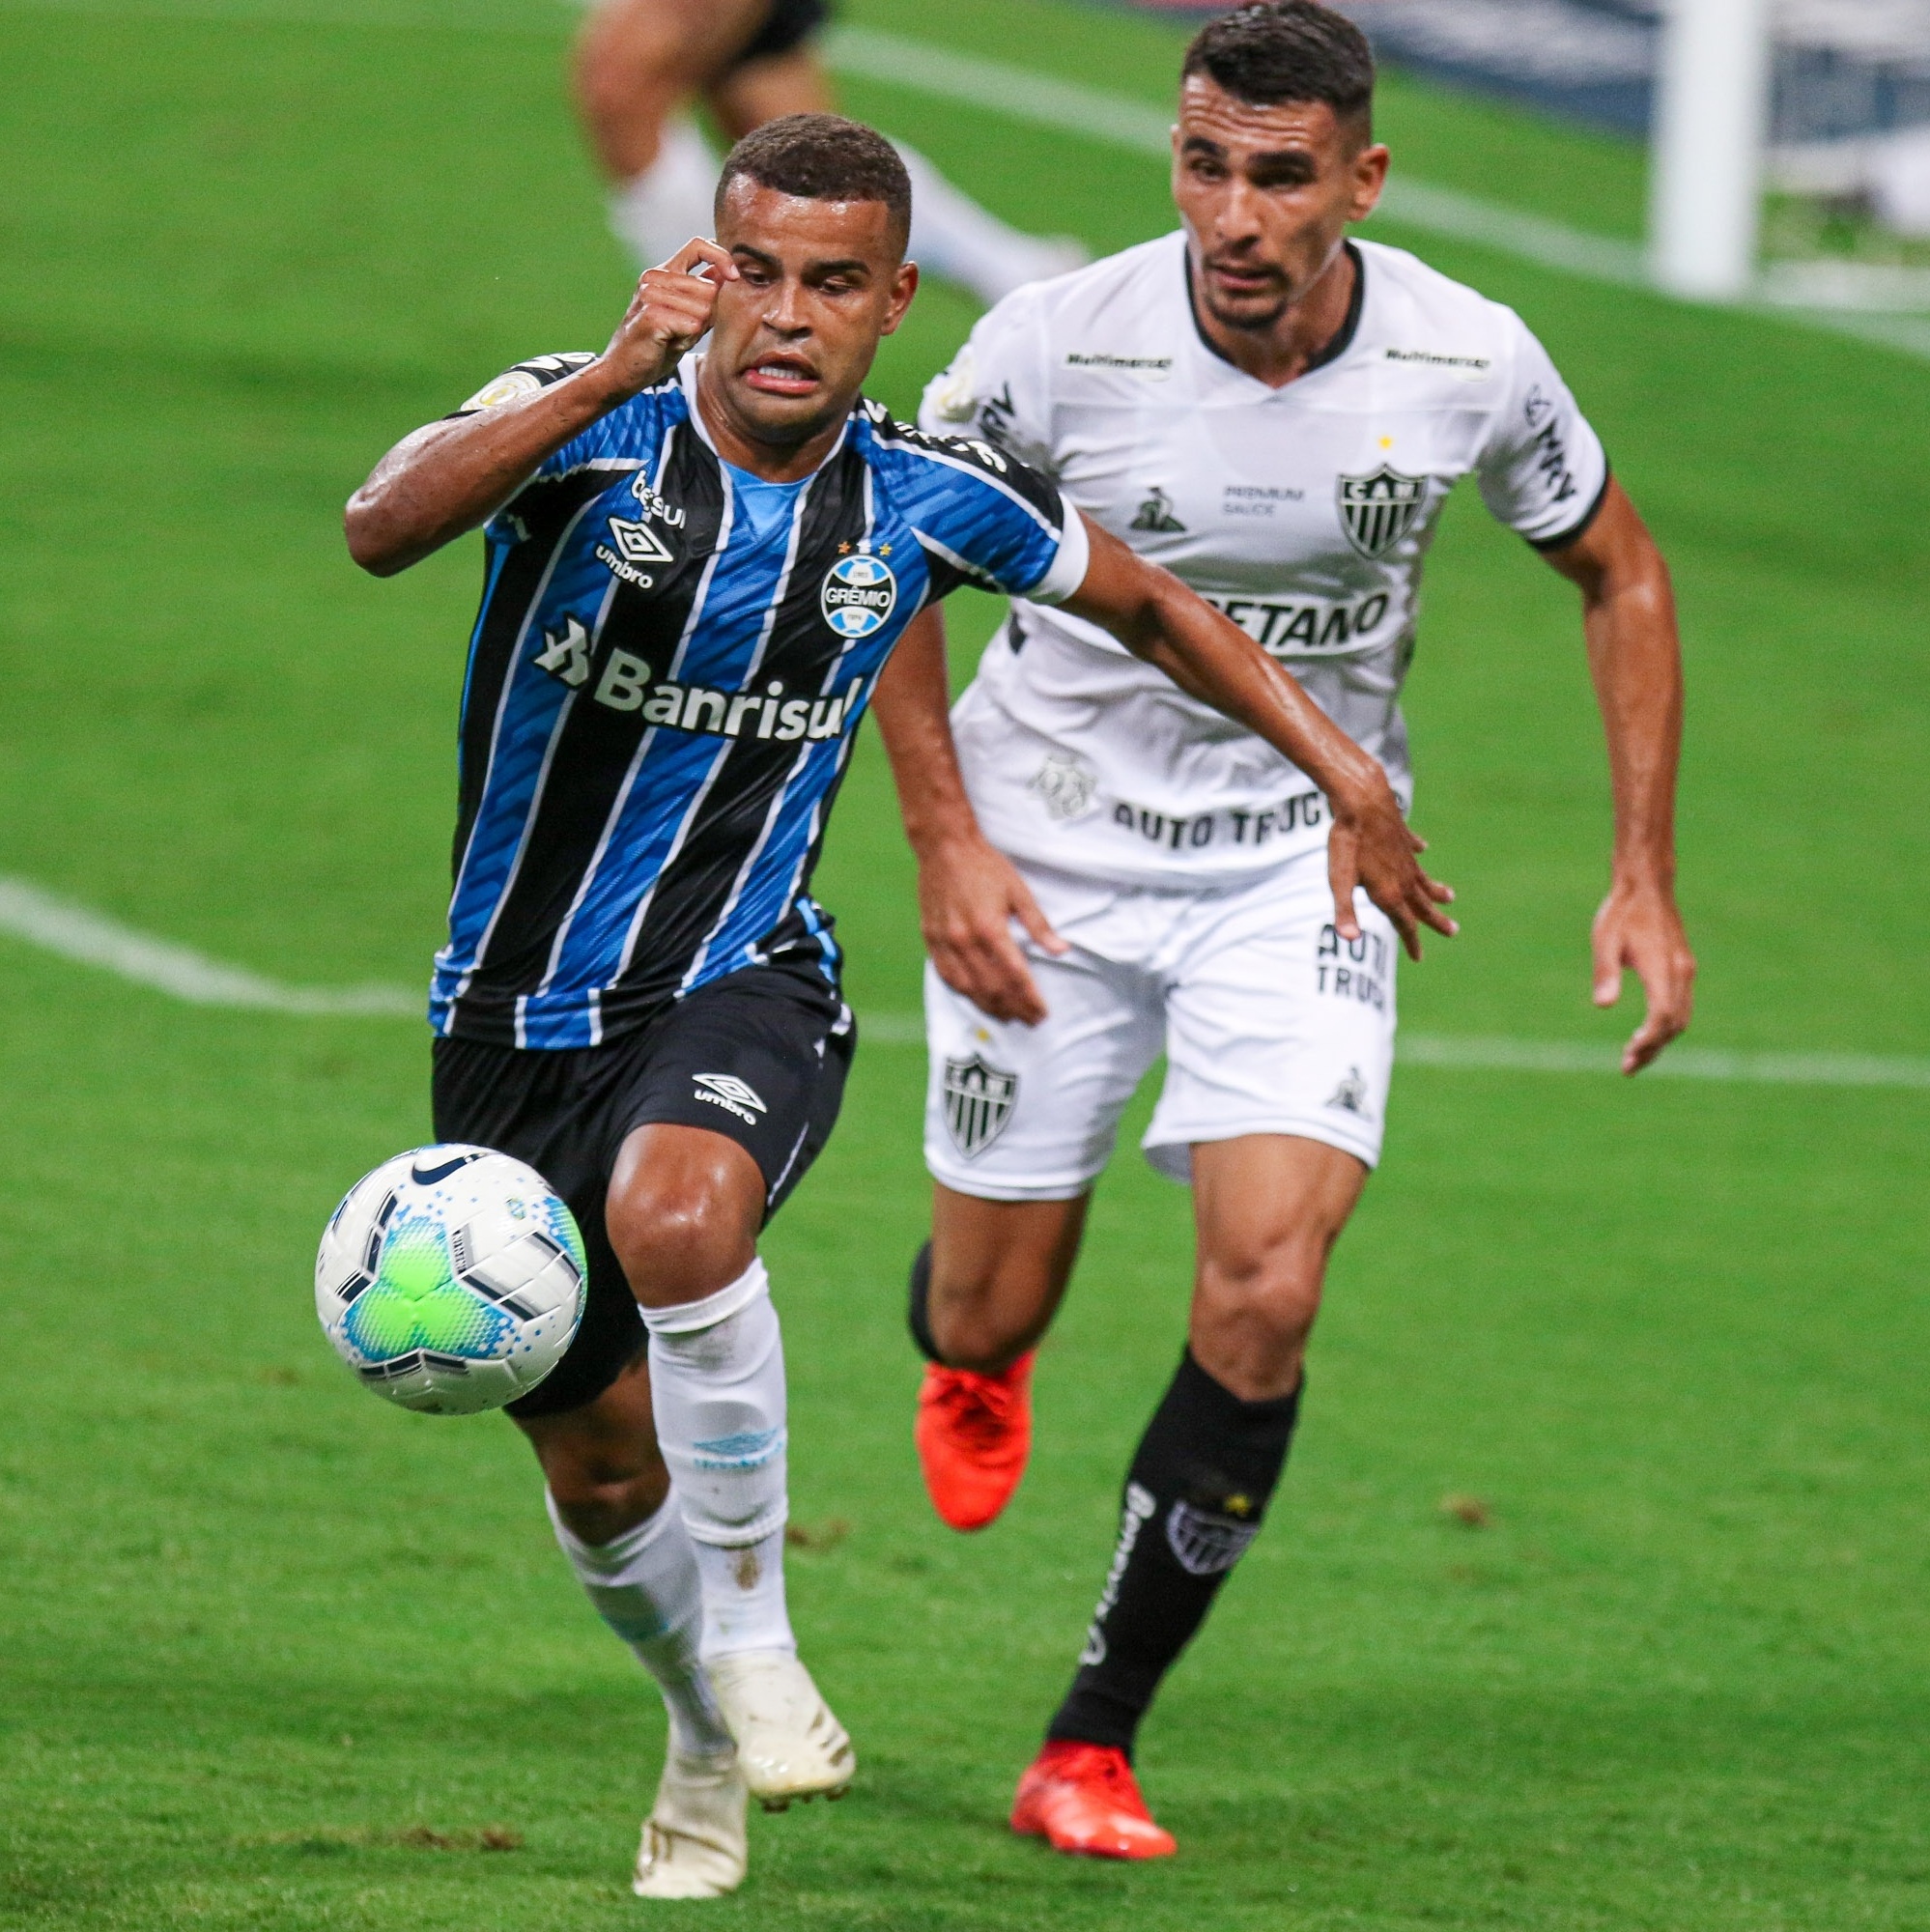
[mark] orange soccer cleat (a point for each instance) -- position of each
(974, 1434)
(1084, 1798)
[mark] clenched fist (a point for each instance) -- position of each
(669, 311)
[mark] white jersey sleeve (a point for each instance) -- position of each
(997, 386)
(1543, 470)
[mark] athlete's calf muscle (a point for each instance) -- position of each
(601, 1462)
(998, 1270)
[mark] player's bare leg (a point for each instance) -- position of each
(1268, 1209)
(983, 1292)
(684, 1212)
(639, 63)
(607, 1488)
(755, 91)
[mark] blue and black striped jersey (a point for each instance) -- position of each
(663, 684)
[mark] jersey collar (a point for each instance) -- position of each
(686, 381)
(1340, 342)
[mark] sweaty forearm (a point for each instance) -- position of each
(443, 480)
(1636, 665)
(1211, 659)
(912, 705)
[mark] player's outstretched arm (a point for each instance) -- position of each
(1636, 656)
(1210, 658)
(968, 892)
(450, 476)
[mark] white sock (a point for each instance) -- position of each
(717, 1382)
(953, 236)
(657, 211)
(645, 1588)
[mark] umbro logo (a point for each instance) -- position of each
(734, 1095)
(636, 544)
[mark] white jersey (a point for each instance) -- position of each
(1304, 513)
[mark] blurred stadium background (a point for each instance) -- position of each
(1597, 1597)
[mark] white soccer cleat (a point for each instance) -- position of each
(787, 1741)
(694, 1844)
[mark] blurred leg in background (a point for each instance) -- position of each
(638, 64)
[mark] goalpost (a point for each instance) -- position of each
(1712, 113)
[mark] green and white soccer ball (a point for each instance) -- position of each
(451, 1279)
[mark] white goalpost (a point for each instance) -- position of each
(1712, 115)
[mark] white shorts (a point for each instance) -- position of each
(1270, 1023)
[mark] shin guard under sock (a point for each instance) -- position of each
(717, 1382)
(644, 1586)
(1198, 1489)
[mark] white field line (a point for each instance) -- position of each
(1018, 93)
(76, 932)
(90, 938)
(1532, 1056)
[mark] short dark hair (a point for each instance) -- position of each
(1279, 50)
(822, 158)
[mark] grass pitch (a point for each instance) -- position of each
(276, 1655)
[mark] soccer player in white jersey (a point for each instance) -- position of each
(1275, 414)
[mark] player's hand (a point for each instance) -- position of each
(1639, 930)
(672, 308)
(969, 894)
(1371, 846)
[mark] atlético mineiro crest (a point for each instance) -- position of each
(977, 1103)
(859, 595)
(1378, 510)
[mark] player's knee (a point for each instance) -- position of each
(626, 77)
(683, 1233)
(1269, 1288)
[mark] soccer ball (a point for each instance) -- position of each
(451, 1279)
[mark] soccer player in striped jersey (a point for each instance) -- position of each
(696, 568)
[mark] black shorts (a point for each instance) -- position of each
(759, 1055)
(786, 26)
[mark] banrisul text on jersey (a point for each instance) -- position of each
(663, 681)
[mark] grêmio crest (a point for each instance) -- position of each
(1378, 510)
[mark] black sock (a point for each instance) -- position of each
(918, 1311)
(1194, 1498)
